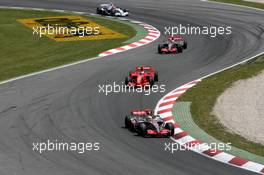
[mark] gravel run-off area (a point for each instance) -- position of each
(241, 108)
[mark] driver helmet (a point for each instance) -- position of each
(173, 38)
(110, 7)
(113, 6)
(149, 118)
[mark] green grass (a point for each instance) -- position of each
(23, 53)
(204, 95)
(241, 2)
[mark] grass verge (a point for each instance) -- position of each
(204, 95)
(23, 53)
(241, 2)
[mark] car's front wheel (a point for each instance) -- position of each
(142, 129)
(156, 77)
(179, 49)
(151, 81)
(170, 127)
(185, 45)
(159, 49)
(126, 81)
(128, 122)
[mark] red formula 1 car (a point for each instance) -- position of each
(143, 76)
(146, 124)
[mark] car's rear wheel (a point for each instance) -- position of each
(98, 10)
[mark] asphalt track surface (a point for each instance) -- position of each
(65, 104)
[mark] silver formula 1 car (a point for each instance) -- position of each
(111, 10)
(144, 123)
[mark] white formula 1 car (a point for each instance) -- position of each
(111, 10)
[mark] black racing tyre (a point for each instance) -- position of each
(99, 11)
(126, 81)
(159, 49)
(156, 76)
(184, 45)
(142, 129)
(179, 49)
(128, 122)
(103, 12)
(170, 127)
(151, 81)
